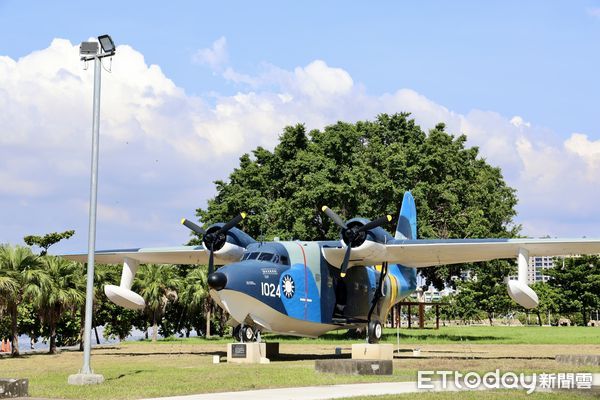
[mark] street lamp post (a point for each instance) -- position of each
(89, 51)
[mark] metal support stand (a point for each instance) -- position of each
(86, 376)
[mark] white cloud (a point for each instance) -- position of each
(162, 148)
(518, 122)
(215, 57)
(588, 150)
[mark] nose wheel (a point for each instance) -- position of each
(374, 331)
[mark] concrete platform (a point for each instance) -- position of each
(368, 351)
(10, 388)
(355, 367)
(578, 359)
(85, 379)
(251, 353)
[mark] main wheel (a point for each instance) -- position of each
(248, 334)
(374, 331)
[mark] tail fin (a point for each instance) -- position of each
(407, 222)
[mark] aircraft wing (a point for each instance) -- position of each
(149, 255)
(430, 253)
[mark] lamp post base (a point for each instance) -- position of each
(85, 379)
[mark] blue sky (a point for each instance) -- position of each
(520, 78)
(510, 56)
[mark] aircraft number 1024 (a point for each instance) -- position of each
(269, 289)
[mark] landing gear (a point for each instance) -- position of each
(237, 333)
(374, 331)
(248, 334)
(374, 327)
(245, 333)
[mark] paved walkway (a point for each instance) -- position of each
(331, 391)
(309, 393)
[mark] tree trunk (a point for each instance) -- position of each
(490, 317)
(154, 328)
(207, 333)
(14, 331)
(539, 317)
(96, 333)
(82, 328)
(52, 349)
(585, 316)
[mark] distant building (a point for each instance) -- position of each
(536, 269)
(431, 294)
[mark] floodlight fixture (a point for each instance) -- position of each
(88, 48)
(108, 46)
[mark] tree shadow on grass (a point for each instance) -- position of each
(443, 337)
(309, 357)
(176, 353)
(137, 371)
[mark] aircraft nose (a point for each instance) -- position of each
(217, 280)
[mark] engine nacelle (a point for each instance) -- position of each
(227, 246)
(367, 250)
(229, 252)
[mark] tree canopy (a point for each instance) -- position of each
(45, 241)
(363, 169)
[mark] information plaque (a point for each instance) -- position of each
(238, 350)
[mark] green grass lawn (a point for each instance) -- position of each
(448, 334)
(184, 366)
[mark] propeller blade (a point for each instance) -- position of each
(336, 218)
(374, 224)
(346, 261)
(211, 260)
(192, 226)
(238, 218)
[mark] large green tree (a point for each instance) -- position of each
(486, 290)
(363, 169)
(21, 278)
(578, 282)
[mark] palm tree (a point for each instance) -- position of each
(20, 279)
(157, 284)
(63, 293)
(194, 295)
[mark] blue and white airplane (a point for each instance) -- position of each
(308, 288)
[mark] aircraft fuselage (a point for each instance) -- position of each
(290, 288)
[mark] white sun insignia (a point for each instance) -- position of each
(288, 286)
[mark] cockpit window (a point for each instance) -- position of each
(265, 257)
(270, 257)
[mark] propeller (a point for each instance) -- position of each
(353, 235)
(213, 239)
